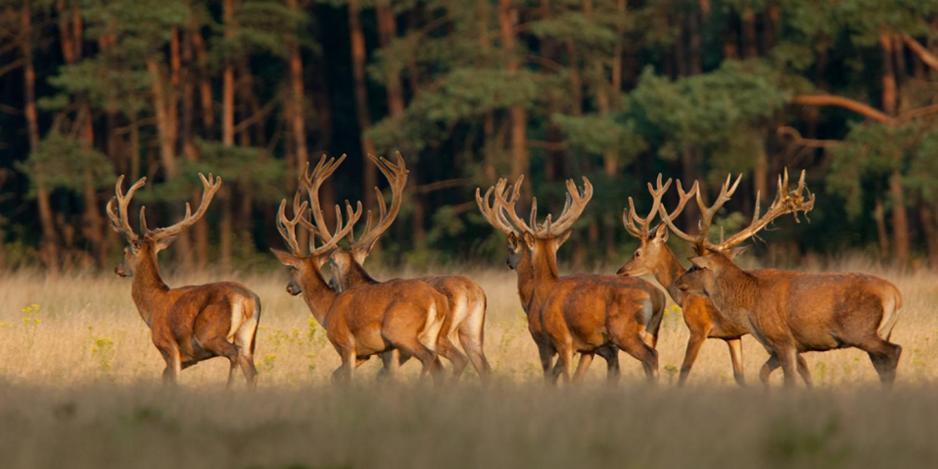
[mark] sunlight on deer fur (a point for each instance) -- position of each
(75, 358)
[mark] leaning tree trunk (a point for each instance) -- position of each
(507, 19)
(900, 222)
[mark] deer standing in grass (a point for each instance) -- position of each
(396, 319)
(187, 324)
(654, 256)
(465, 318)
(791, 312)
(589, 314)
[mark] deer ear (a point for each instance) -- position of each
(700, 262)
(733, 253)
(662, 232)
(529, 240)
(286, 258)
(163, 243)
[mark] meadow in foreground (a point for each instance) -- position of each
(80, 380)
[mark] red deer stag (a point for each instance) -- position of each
(791, 312)
(589, 314)
(465, 318)
(187, 324)
(395, 319)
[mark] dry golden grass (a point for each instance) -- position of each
(79, 387)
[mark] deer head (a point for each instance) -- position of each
(714, 260)
(143, 247)
(527, 239)
(653, 242)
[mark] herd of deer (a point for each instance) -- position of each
(788, 312)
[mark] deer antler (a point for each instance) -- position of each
(573, 207)
(287, 226)
(312, 181)
(701, 240)
(799, 199)
(396, 174)
(639, 226)
(488, 205)
(119, 219)
(210, 186)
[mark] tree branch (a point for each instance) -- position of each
(839, 101)
(921, 51)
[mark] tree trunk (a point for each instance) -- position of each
(227, 139)
(930, 230)
(48, 251)
(507, 18)
(357, 41)
(900, 222)
(882, 235)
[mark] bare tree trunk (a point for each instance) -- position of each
(48, 251)
(900, 222)
(507, 19)
(227, 138)
(930, 230)
(357, 40)
(882, 235)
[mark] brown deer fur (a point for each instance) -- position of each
(466, 302)
(580, 313)
(394, 319)
(192, 323)
(793, 312)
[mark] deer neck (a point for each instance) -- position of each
(736, 291)
(544, 273)
(318, 296)
(149, 292)
(667, 270)
(354, 275)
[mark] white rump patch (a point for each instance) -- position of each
(431, 330)
(890, 316)
(237, 317)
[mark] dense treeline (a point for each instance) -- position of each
(615, 90)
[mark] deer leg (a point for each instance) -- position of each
(885, 357)
(173, 363)
(343, 374)
(551, 371)
(804, 372)
(736, 356)
(390, 360)
(788, 359)
(428, 358)
(637, 348)
(565, 360)
(448, 350)
(767, 368)
(582, 366)
(690, 355)
(611, 354)
(472, 344)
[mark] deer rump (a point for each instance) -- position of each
(826, 311)
(596, 310)
(375, 318)
(203, 316)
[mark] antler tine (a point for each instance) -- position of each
(396, 174)
(786, 201)
(683, 199)
(508, 210)
(573, 209)
(287, 226)
(312, 181)
(341, 229)
(120, 221)
(210, 186)
(639, 226)
(727, 189)
(491, 211)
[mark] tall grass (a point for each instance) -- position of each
(79, 387)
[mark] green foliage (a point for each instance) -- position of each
(62, 162)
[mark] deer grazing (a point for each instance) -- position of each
(465, 318)
(396, 319)
(187, 324)
(589, 314)
(793, 312)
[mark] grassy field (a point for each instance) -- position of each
(79, 387)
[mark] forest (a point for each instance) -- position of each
(467, 91)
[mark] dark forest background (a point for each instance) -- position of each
(467, 90)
